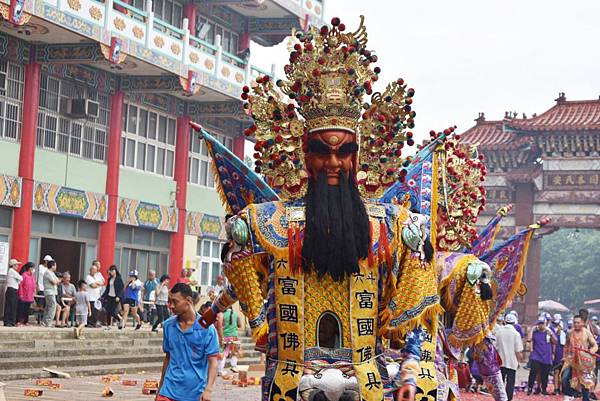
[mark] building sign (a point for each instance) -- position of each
(141, 214)
(71, 202)
(10, 191)
(205, 225)
(4, 258)
(210, 226)
(498, 195)
(56, 199)
(148, 215)
(582, 180)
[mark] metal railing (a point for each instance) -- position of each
(150, 26)
(203, 45)
(169, 29)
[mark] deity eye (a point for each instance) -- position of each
(318, 147)
(348, 149)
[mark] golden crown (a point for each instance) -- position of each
(328, 76)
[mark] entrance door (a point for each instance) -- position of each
(68, 255)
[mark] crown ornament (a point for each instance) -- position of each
(327, 82)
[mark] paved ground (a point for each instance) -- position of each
(90, 389)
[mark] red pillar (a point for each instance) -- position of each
(108, 229)
(532, 280)
(21, 231)
(181, 178)
(524, 198)
(238, 146)
(189, 12)
(238, 142)
(245, 38)
(122, 10)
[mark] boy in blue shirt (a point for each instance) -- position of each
(190, 364)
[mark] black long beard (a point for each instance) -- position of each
(336, 235)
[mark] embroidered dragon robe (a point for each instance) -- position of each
(393, 294)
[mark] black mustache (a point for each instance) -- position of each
(336, 234)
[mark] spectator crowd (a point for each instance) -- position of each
(93, 302)
(564, 352)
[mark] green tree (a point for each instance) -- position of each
(570, 271)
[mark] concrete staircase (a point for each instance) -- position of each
(25, 351)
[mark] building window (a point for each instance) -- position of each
(139, 4)
(200, 169)
(86, 138)
(5, 217)
(11, 100)
(230, 40)
(142, 249)
(169, 11)
(5, 223)
(148, 141)
(209, 261)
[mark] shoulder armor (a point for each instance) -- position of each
(411, 236)
(476, 270)
(237, 229)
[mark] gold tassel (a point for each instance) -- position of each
(260, 331)
(371, 246)
(291, 247)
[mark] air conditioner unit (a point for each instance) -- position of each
(80, 108)
(2, 81)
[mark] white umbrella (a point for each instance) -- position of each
(553, 306)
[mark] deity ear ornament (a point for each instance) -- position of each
(326, 82)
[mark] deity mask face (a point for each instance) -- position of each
(331, 151)
(336, 234)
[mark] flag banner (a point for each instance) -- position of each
(237, 183)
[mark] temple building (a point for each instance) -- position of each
(97, 159)
(547, 165)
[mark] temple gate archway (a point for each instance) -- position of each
(547, 165)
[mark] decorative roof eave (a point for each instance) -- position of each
(506, 159)
(565, 116)
(524, 176)
(493, 135)
(522, 130)
(519, 143)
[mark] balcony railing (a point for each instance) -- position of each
(154, 40)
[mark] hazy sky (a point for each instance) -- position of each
(463, 57)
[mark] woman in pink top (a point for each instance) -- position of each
(25, 293)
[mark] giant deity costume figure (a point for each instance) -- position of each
(349, 249)
(328, 261)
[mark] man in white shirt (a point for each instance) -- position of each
(95, 282)
(38, 274)
(50, 293)
(510, 348)
(13, 279)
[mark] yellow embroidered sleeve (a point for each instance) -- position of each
(247, 273)
(413, 297)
